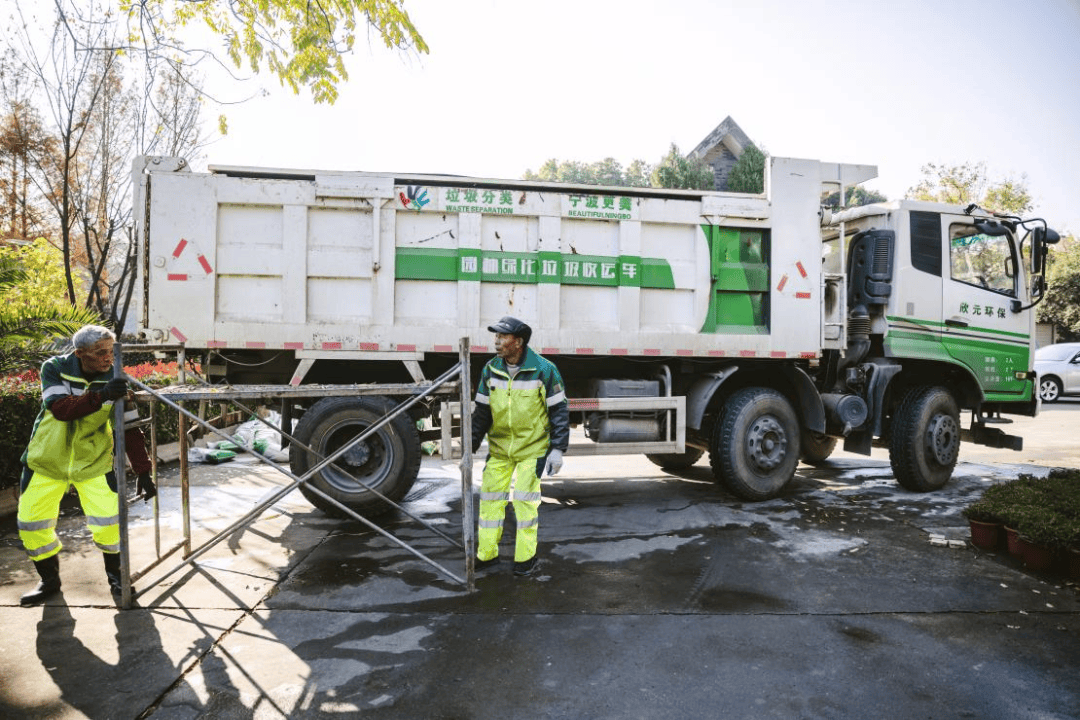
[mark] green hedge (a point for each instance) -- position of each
(20, 401)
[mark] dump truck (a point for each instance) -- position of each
(762, 329)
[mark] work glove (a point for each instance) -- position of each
(554, 462)
(114, 389)
(144, 487)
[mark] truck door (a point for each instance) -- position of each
(981, 279)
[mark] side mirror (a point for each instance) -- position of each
(1040, 238)
(1046, 236)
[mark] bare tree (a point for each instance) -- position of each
(170, 119)
(102, 109)
(100, 182)
(71, 81)
(22, 136)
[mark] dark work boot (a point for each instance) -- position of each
(49, 570)
(526, 567)
(112, 572)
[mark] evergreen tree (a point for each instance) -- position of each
(748, 173)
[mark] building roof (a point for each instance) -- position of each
(728, 134)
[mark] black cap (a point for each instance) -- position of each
(512, 326)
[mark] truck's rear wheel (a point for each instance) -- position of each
(924, 443)
(388, 460)
(755, 443)
(815, 447)
(676, 461)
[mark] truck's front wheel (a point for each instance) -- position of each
(755, 444)
(387, 461)
(924, 443)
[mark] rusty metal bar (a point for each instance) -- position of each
(185, 484)
(120, 472)
(154, 464)
(468, 524)
(257, 392)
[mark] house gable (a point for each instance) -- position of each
(721, 149)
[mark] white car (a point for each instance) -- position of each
(1058, 368)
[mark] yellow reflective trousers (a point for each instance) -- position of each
(39, 506)
(499, 474)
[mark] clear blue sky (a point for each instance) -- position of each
(508, 85)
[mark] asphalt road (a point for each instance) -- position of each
(658, 596)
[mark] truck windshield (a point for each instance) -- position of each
(981, 260)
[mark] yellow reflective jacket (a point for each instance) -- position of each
(75, 449)
(522, 416)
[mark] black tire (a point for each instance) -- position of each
(815, 447)
(387, 461)
(1049, 389)
(755, 443)
(676, 461)
(924, 443)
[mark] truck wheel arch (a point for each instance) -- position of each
(700, 394)
(807, 400)
(956, 377)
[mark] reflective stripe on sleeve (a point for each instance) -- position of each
(59, 390)
(556, 398)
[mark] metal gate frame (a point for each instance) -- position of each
(174, 397)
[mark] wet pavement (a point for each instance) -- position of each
(658, 595)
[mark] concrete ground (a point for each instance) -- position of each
(657, 596)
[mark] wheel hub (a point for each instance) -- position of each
(943, 438)
(767, 443)
(357, 455)
(1049, 390)
(362, 462)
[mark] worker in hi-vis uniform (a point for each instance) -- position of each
(72, 446)
(521, 407)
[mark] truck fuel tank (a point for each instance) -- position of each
(613, 427)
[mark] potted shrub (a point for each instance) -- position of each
(984, 518)
(1014, 501)
(1043, 532)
